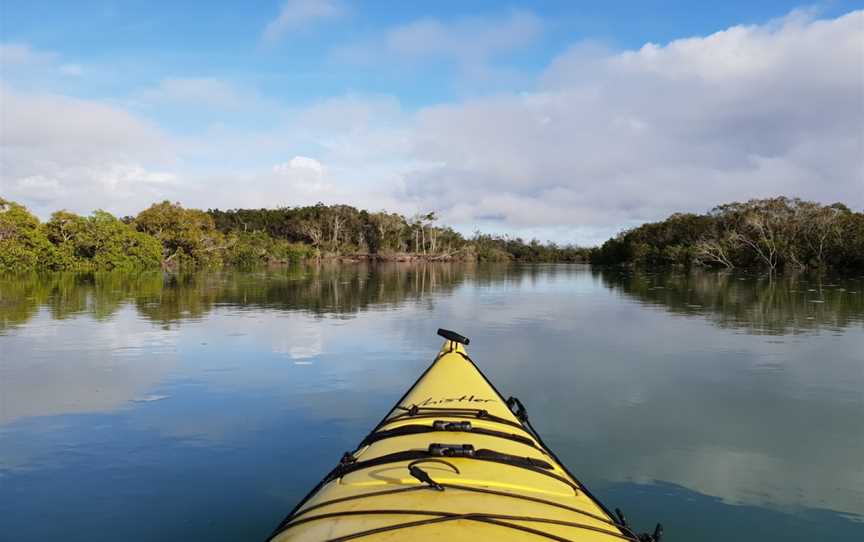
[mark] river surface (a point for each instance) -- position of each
(202, 407)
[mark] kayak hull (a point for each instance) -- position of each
(453, 460)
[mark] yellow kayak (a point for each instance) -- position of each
(453, 461)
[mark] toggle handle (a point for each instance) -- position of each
(453, 336)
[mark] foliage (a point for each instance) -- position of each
(72, 242)
(247, 250)
(503, 248)
(342, 229)
(188, 236)
(99, 242)
(23, 243)
(777, 233)
(670, 242)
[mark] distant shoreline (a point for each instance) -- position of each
(770, 234)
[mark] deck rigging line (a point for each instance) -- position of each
(445, 426)
(435, 453)
(499, 519)
(459, 487)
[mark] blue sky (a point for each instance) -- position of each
(381, 103)
(147, 41)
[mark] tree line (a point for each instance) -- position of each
(171, 236)
(772, 234)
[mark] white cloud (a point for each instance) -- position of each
(199, 92)
(297, 14)
(23, 54)
(475, 44)
(300, 163)
(70, 128)
(612, 139)
(469, 40)
(73, 70)
(24, 59)
(61, 152)
(357, 129)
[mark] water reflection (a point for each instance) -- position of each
(752, 303)
(705, 400)
(171, 298)
(57, 366)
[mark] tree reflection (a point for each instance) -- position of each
(168, 299)
(758, 304)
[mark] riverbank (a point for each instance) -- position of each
(771, 234)
(169, 236)
(767, 234)
(399, 257)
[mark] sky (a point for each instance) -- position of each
(565, 121)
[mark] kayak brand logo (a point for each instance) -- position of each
(462, 399)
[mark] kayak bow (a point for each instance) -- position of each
(455, 461)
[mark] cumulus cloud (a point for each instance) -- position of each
(357, 130)
(283, 185)
(302, 174)
(61, 152)
(297, 14)
(618, 138)
(300, 163)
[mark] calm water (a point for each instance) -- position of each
(729, 407)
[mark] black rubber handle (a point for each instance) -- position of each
(453, 336)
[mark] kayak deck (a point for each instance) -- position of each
(451, 461)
